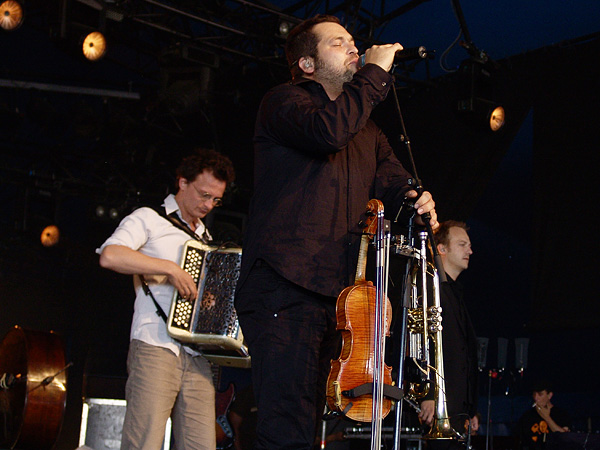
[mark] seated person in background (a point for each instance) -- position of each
(475, 421)
(541, 419)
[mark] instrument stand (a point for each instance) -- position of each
(402, 351)
(468, 443)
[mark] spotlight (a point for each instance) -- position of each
(284, 28)
(94, 46)
(100, 211)
(477, 93)
(483, 113)
(11, 15)
(113, 213)
(496, 118)
(50, 236)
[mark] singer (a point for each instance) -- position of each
(318, 161)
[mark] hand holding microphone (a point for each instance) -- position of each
(382, 55)
(375, 54)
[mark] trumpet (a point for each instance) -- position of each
(425, 328)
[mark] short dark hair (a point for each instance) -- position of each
(442, 234)
(204, 159)
(542, 385)
(302, 41)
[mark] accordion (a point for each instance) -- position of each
(209, 324)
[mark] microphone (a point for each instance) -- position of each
(405, 54)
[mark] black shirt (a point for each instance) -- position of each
(460, 353)
(532, 429)
(317, 164)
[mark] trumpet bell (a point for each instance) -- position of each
(441, 429)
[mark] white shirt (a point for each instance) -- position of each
(146, 231)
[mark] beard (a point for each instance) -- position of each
(332, 75)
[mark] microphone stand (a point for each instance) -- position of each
(426, 217)
(406, 296)
(489, 411)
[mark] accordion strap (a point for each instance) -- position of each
(159, 311)
(177, 222)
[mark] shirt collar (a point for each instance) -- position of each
(313, 87)
(171, 206)
(299, 80)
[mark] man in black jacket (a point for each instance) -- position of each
(318, 161)
(458, 336)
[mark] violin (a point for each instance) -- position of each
(356, 319)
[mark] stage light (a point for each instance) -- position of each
(94, 46)
(113, 213)
(110, 210)
(477, 95)
(11, 15)
(483, 113)
(284, 28)
(50, 236)
(496, 118)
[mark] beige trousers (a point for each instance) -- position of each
(160, 385)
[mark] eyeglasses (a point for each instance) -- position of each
(215, 201)
(205, 196)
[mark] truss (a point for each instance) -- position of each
(214, 32)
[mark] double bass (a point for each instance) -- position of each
(33, 389)
(352, 375)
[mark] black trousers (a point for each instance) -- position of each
(291, 335)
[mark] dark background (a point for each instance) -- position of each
(75, 135)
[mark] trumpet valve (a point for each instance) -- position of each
(434, 311)
(415, 320)
(435, 327)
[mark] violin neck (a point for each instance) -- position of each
(361, 266)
